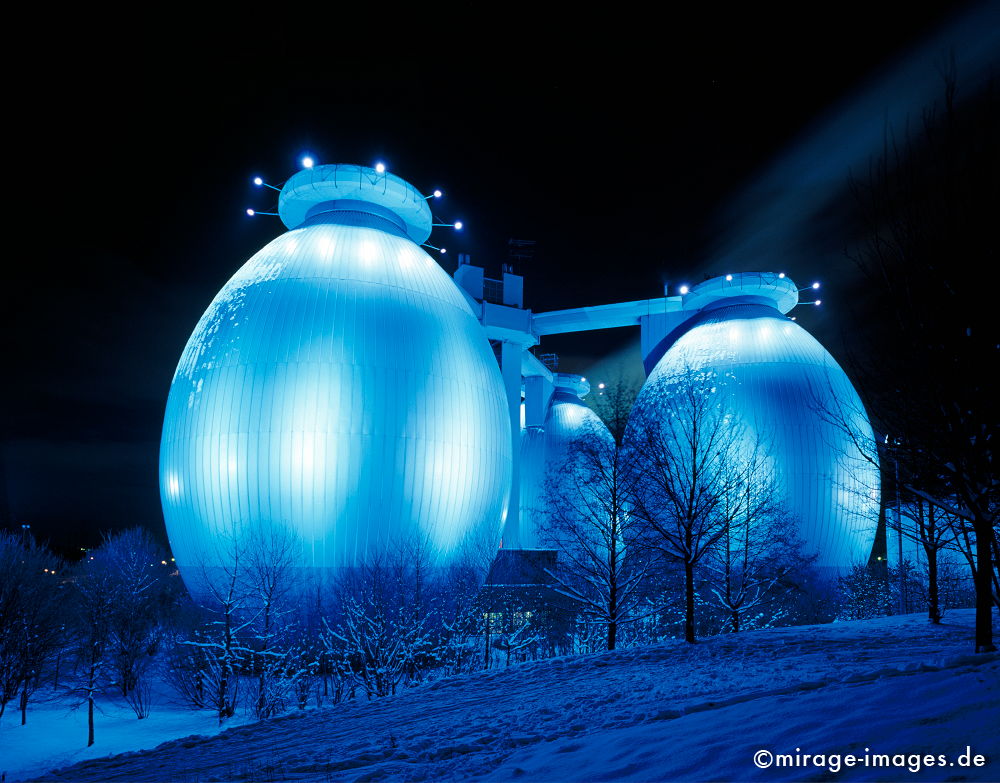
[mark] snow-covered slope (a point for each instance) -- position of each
(667, 712)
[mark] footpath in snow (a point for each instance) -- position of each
(897, 688)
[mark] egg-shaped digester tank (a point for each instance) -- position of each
(555, 457)
(791, 397)
(338, 389)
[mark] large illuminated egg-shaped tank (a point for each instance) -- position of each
(556, 458)
(338, 391)
(793, 399)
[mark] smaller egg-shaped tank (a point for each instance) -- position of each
(787, 397)
(554, 457)
(338, 390)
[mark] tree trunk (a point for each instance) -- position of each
(223, 692)
(995, 575)
(734, 616)
(489, 620)
(984, 587)
(226, 664)
(613, 611)
(933, 601)
(263, 675)
(90, 719)
(689, 601)
(24, 702)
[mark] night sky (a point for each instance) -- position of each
(633, 153)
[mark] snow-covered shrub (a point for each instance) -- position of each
(863, 594)
(384, 627)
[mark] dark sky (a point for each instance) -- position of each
(633, 152)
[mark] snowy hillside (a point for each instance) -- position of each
(666, 712)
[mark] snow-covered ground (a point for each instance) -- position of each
(667, 712)
(55, 734)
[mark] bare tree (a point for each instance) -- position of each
(694, 458)
(335, 665)
(586, 517)
(756, 561)
(934, 530)
(464, 617)
(271, 556)
(384, 625)
(220, 646)
(318, 649)
(468, 601)
(614, 402)
(186, 669)
(963, 539)
(929, 206)
(132, 559)
(96, 595)
(908, 512)
(31, 620)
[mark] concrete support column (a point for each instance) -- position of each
(537, 393)
(510, 368)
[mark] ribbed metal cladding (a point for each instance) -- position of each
(789, 387)
(340, 388)
(548, 459)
